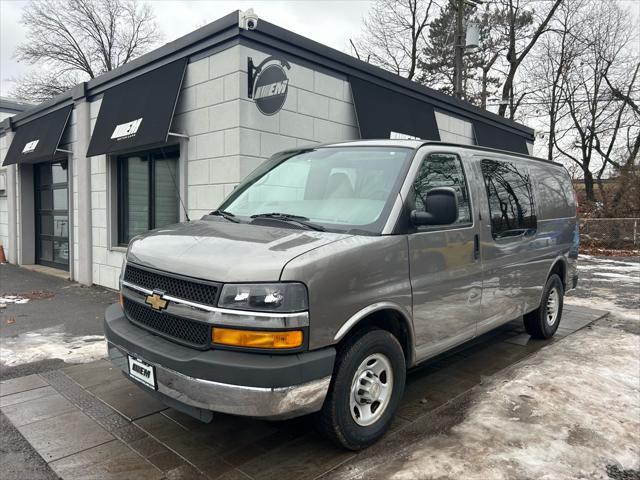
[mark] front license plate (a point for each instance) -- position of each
(142, 372)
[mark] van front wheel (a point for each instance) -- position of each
(365, 392)
(543, 322)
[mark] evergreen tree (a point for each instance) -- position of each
(480, 78)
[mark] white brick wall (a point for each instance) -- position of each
(4, 214)
(454, 129)
(107, 259)
(229, 137)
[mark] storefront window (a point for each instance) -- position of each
(147, 192)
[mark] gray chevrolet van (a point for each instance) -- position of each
(331, 270)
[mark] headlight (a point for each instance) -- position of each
(264, 297)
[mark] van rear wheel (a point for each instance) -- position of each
(365, 391)
(543, 322)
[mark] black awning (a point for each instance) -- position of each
(38, 139)
(138, 113)
(382, 111)
(501, 139)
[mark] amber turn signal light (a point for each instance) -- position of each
(121, 300)
(257, 339)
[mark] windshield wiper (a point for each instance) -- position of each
(226, 215)
(287, 217)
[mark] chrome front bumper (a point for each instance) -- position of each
(271, 403)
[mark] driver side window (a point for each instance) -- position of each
(443, 170)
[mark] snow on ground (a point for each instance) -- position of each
(50, 343)
(570, 411)
(567, 412)
(18, 300)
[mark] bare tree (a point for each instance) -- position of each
(546, 66)
(519, 47)
(76, 40)
(600, 126)
(624, 198)
(395, 34)
(37, 86)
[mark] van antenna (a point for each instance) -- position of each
(175, 186)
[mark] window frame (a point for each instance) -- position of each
(410, 201)
(121, 177)
(534, 201)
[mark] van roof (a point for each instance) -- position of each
(417, 143)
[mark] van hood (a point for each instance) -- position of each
(223, 251)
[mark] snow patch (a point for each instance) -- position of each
(565, 413)
(13, 299)
(625, 268)
(606, 260)
(618, 276)
(48, 343)
(600, 303)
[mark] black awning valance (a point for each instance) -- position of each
(381, 111)
(38, 139)
(138, 113)
(493, 137)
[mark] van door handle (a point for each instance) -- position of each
(476, 247)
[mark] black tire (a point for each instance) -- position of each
(335, 420)
(535, 322)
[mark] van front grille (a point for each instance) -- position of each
(182, 330)
(203, 293)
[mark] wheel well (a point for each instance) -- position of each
(561, 269)
(391, 321)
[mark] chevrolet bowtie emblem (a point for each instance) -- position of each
(156, 301)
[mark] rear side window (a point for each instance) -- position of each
(510, 194)
(443, 170)
(554, 192)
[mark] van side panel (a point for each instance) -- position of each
(516, 269)
(503, 261)
(557, 222)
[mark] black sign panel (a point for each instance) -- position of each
(382, 111)
(38, 140)
(494, 137)
(268, 84)
(270, 89)
(138, 113)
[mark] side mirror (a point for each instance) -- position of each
(442, 208)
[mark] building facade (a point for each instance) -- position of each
(8, 108)
(168, 136)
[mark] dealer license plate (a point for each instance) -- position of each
(142, 372)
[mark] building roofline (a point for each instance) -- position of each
(225, 31)
(215, 33)
(13, 106)
(290, 42)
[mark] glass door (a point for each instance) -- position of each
(52, 214)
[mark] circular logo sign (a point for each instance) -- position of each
(270, 89)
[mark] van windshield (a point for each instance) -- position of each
(338, 188)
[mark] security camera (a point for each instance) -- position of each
(248, 20)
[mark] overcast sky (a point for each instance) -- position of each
(331, 23)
